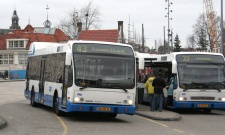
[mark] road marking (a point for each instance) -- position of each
(63, 124)
(153, 121)
(178, 130)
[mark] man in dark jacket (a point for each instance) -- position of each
(158, 84)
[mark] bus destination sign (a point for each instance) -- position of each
(196, 58)
(102, 48)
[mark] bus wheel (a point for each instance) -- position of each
(207, 110)
(112, 115)
(56, 106)
(32, 102)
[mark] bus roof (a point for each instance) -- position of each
(167, 57)
(41, 48)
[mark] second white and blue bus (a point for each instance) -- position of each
(196, 80)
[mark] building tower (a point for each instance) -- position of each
(47, 23)
(15, 21)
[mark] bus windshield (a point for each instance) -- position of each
(104, 71)
(201, 74)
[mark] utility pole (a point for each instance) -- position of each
(164, 44)
(221, 23)
(168, 16)
(143, 38)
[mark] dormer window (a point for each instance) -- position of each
(12, 44)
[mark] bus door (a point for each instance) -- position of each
(68, 82)
(27, 80)
(41, 79)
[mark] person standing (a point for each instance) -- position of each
(150, 89)
(158, 84)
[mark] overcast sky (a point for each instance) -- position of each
(150, 13)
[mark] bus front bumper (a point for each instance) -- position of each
(99, 108)
(199, 105)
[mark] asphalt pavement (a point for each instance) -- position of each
(3, 123)
(142, 110)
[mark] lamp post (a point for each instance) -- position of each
(86, 20)
(168, 16)
(221, 23)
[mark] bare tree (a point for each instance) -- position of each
(69, 26)
(161, 48)
(89, 13)
(191, 41)
(200, 33)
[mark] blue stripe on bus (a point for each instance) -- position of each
(196, 105)
(120, 109)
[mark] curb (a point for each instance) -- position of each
(3, 123)
(176, 118)
(14, 80)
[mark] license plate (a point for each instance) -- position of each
(203, 105)
(103, 109)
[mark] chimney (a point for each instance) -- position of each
(79, 25)
(120, 29)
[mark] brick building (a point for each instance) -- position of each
(15, 42)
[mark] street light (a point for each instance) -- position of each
(168, 16)
(86, 20)
(221, 23)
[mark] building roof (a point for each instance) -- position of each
(99, 35)
(32, 36)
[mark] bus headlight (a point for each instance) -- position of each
(181, 98)
(223, 99)
(76, 99)
(130, 102)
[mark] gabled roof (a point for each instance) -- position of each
(99, 35)
(28, 33)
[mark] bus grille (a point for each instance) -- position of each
(202, 98)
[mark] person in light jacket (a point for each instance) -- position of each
(150, 89)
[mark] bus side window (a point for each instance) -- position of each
(70, 76)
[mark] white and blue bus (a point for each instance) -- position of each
(196, 80)
(82, 76)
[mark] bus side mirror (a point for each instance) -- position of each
(68, 59)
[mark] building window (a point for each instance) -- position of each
(16, 44)
(23, 59)
(21, 43)
(6, 59)
(10, 44)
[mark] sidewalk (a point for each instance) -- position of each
(165, 115)
(10, 80)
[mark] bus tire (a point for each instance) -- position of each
(56, 106)
(207, 110)
(32, 102)
(112, 115)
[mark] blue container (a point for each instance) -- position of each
(17, 74)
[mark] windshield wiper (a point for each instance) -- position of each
(120, 88)
(214, 83)
(82, 88)
(194, 85)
